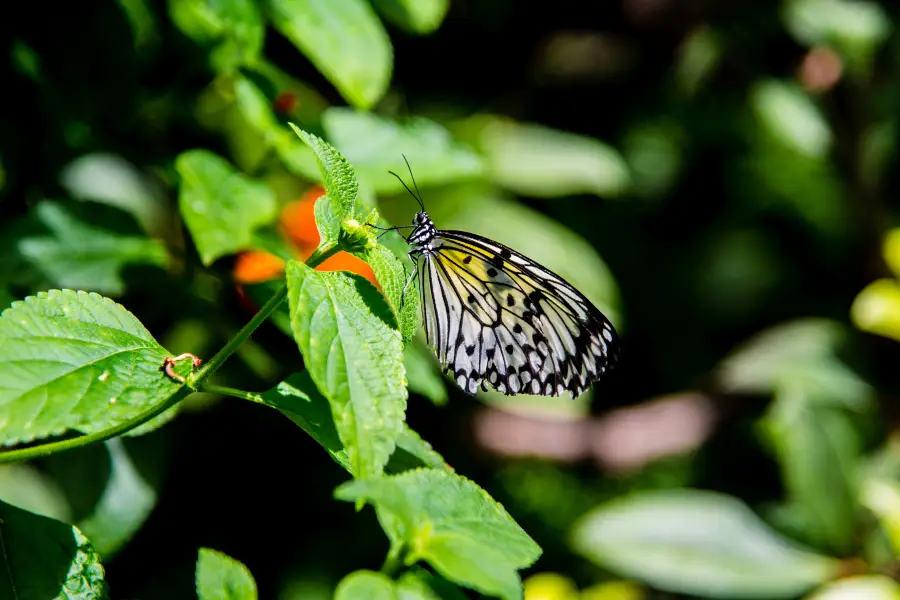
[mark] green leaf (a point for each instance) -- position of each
(422, 372)
(256, 109)
(236, 27)
(452, 524)
(366, 584)
(856, 28)
(80, 255)
(393, 278)
(533, 160)
(532, 233)
(124, 505)
(419, 584)
(788, 114)
(348, 338)
(344, 40)
(328, 221)
(696, 542)
(801, 352)
(112, 180)
(220, 206)
(415, 16)
(72, 360)
(337, 175)
(869, 587)
(220, 577)
(374, 144)
(817, 449)
(413, 452)
(28, 488)
(43, 558)
(299, 400)
(876, 308)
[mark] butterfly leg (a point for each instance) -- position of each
(409, 280)
(385, 230)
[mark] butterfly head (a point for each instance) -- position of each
(423, 230)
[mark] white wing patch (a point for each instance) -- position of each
(496, 318)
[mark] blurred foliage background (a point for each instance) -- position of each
(720, 178)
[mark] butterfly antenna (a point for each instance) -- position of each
(400, 179)
(415, 185)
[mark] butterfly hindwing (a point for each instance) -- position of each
(497, 318)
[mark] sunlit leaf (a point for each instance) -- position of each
(234, 27)
(533, 160)
(451, 523)
(43, 558)
(220, 577)
(791, 117)
(375, 145)
(112, 180)
(83, 256)
(880, 494)
(416, 16)
(71, 360)
(220, 206)
(801, 352)
(337, 177)
(354, 353)
(697, 542)
(870, 587)
(856, 28)
(366, 584)
(344, 39)
(876, 308)
(552, 586)
(817, 449)
(613, 590)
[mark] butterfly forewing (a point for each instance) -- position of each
(497, 318)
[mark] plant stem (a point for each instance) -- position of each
(196, 379)
(97, 436)
(194, 382)
(227, 391)
(392, 564)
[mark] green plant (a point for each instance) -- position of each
(77, 361)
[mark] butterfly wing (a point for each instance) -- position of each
(495, 317)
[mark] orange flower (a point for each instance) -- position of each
(256, 266)
(298, 221)
(298, 224)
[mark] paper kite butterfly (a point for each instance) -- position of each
(497, 318)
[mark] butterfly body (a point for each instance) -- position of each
(496, 318)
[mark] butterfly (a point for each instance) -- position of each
(497, 318)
